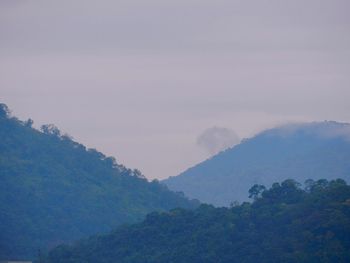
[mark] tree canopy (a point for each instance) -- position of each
(55, 190)
(285, 223)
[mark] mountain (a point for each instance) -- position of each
(284, 224)
(54, 190)
(296, 151)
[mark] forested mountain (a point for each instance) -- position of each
(285, 223)
(54, 190)
(296, 151)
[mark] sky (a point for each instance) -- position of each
(146, 81)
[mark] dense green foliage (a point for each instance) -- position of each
(54, 190)
(284, 224)
(300, 151)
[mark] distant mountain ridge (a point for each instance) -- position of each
(295, 151)
(54, 190)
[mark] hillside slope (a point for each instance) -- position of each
(285, 224)
(298, 151)
(54, 190)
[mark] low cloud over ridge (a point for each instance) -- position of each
(216, 139)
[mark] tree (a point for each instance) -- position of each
(29, 123)
(4, 110)
(50, 129)
(309, 184)
(256, 190)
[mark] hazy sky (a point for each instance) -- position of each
(142, 80)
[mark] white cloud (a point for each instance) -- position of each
(217, 139)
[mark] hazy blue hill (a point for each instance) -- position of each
(54, 190)
(286, 223)
(298, 151)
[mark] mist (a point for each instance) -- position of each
(217, 139)
(134, 79)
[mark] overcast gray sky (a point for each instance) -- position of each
(142, 80)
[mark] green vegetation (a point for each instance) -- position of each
(285, 223)
(54, 190)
